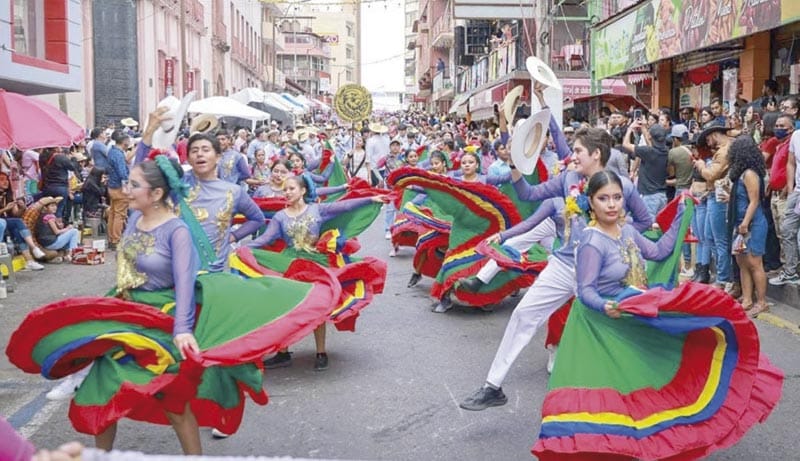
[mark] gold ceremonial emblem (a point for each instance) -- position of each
(353, 103)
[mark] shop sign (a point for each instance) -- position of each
(189, 80)
(169, 76)
(660, 29)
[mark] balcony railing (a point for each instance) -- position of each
(443, 35)
(442, 82)
(305, 74)
(608, 8)
(498, 63)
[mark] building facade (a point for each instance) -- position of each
(339, 25)
(411, 14)
(305, 58)
(42, 51)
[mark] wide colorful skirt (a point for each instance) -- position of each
(476, 211)
(357, 280)
(138, 373)
(679, 376)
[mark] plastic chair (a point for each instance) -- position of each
(575, 62)
(558, 61)
(8, 261)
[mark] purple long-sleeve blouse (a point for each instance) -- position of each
(302, 231)
(560, 187)
(14, 447)
(552, 208)
(164, 257)
(609, 265)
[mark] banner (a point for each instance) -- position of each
(730, 81)
(660, 29)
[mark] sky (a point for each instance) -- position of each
(382, 45)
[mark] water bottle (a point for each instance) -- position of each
(10, 246)
(3, 288)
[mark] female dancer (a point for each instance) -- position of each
(156, 252)
(747, 171)
(648, 375)
(149, 365)
(279, 170)
(298, 225)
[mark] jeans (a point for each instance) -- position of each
(18, 231)
(655, 203)
(704, 242)
(389, 215)
(65, 241)
(717, 227)
(788, 232)
(686, 249)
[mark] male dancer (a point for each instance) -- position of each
(556, 284)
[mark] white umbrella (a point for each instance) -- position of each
(275, 100)
(222, 106)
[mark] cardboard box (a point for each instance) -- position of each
(88, 256)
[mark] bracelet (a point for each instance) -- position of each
(512, 166)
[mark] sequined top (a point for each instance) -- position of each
(302, 231)
(609, 265)
(551, 208)
(559, 186)
(215, 203)
(163, 257)
(232, 167)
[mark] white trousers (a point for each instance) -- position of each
(554, 286)
(544, 233)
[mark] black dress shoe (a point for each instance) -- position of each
(471, 284)
(321, 362)
(414, 280)
(484, 398)
(279, 360)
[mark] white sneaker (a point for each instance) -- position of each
(388, 235)
(393, 252)
(687, 272)
(218, 434)
(551, 358)
(37, 253)
(33, 266)
(66, 388)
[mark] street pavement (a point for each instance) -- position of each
(392, 389)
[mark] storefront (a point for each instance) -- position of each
(725, 50)
(482, 104)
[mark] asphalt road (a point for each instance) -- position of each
(392, 389)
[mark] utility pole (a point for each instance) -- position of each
(274, 52)
(182, 28)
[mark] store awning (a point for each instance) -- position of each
(582, 87)
(617, 101)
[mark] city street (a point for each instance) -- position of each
(392, 389)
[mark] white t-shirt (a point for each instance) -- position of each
(794, 148)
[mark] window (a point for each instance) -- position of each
(349, 52)
(29, 28)
(349, 75)
(350, 29)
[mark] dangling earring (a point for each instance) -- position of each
(156, 205)
(621, 220)
(592, 218)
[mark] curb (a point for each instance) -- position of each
(779, 322)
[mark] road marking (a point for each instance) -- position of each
(453, 398)
(779, 322)
(41, 417)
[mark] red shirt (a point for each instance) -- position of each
(770, 146)
(777, 171)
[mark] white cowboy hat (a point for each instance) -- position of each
(529, 137)
(129, 122)
(203, 123)
(542, 73)
(301, 135)
(378, 128)
(167, 132)
(511, 101)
